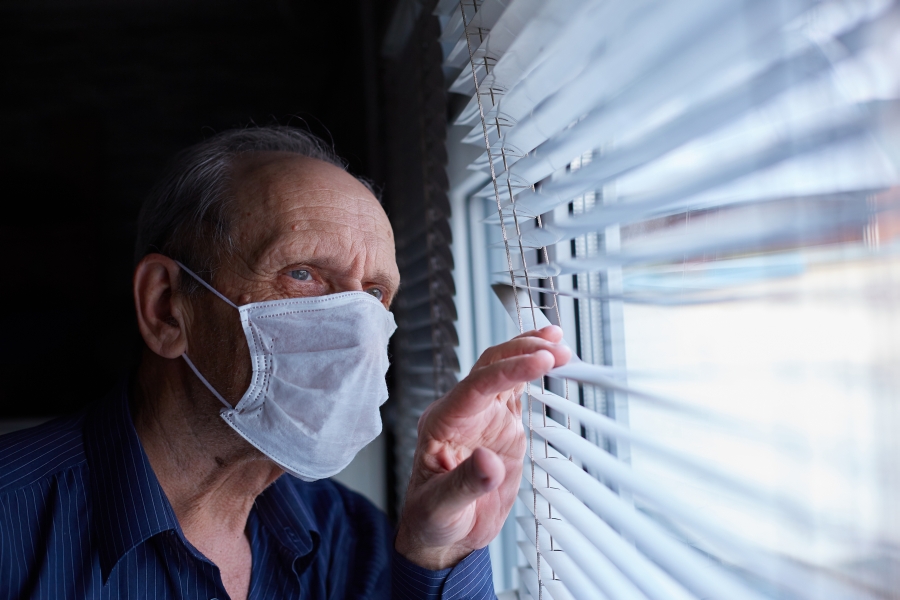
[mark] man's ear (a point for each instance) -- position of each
(160, 310)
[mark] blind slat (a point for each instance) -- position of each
(844, 125)
(788, 574)
(643, 572)
(619, 473)
(576, 584)
(610, 428)
(705, 116)
(605, 568)
(607, 377)
(485, 19)
(699, 120)
(532, 35)
(806, 222)
(553, 589)
(577, 370)
(697, 35)
(548, 68)
(693, 571)
(676, 155)
(595, 566)
(791, 223)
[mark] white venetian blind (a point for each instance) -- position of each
(703, 194)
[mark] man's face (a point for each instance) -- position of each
(301, 227)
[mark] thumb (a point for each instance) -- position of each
(479, 474)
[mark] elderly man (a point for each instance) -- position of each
(264, 277)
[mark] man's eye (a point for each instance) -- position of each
(300, 275)
(376, 292)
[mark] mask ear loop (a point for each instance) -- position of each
(206, 285)
(185, 356)
(205, 382)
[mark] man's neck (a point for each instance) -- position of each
(210, 474)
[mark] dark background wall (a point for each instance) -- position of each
(94, 98)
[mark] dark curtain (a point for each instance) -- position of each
(415, 125)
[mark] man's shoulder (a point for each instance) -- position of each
(38, 453)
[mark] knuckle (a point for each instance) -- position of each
(469, 479)
(423, 419)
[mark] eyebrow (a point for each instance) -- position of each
(384, 278)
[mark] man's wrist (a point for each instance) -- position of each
(471, 578)
(434, 558)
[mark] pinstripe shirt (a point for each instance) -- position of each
(82, 515)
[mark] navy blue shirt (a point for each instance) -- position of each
(82, 515)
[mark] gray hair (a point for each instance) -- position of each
(187, 217)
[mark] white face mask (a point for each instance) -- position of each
(318, 379)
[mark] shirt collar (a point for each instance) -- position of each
(129, 504)
(286, 517)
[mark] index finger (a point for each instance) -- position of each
(476, 392)
(551, 334)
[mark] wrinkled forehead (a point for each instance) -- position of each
(275, 172)
(286, 199)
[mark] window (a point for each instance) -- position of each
(704, 196)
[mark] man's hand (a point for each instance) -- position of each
(469, 455)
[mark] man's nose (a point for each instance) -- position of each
(349, 284)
